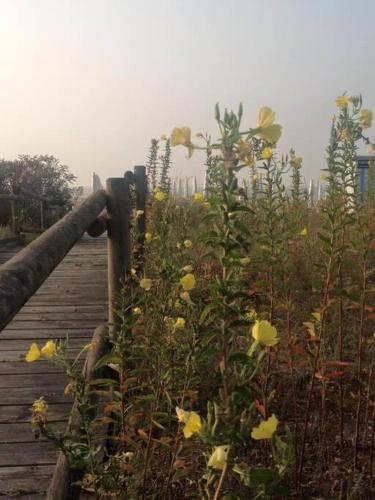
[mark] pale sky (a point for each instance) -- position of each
(92, 81)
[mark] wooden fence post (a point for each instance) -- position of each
(119, 261)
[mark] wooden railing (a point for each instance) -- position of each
(19, 203)
(20, 277)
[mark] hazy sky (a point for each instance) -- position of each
(92, 81)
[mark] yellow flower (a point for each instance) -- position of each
(245, 261)
(188, 282)
(146, 284)
(266, 153)
(160, 196)
(198, 197)
(148, 237)
(138, 213)
(219, 457)
(303, 232)
(342, 101)
(187, 269)
(316, 316)
(49, 349)
(137, 311)
(192, 421)
(33, 353)
(266, 429)
(365, 118)
(188, 244)
(182, 137)
(264, 333)
(179, 324)
(267, 130)
(40, 406)
(266, 117)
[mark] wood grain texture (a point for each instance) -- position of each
(72, 301)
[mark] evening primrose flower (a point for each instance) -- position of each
(198, 197)
(33, 353)
(49, 349)
(192, 421)
(264, 333)
(146, 284)
(219, 457)
(266, 429)
(182, 137)
(160, 196)
(188, 244)
(179, 323)
(266, 153)
(245, 261)
(136, 311)
(148, 237)
(267, 129)
(365, 118)
(342, 101)
(188, 282)
(303, 232)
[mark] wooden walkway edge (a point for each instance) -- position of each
(73, 301)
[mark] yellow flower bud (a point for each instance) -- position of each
(266, 153)
(146, 284)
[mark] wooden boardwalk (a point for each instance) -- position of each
(73, 300)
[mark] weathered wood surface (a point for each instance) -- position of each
(73, 301)
(22, 275)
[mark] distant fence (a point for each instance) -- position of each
(185, 187)
(27, 213)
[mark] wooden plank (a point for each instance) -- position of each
(82, 333)
(27, 395)
(38, 379)
(22, 413)
(72, 301)
(38, 453)
(28, 481)
(22, 432)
